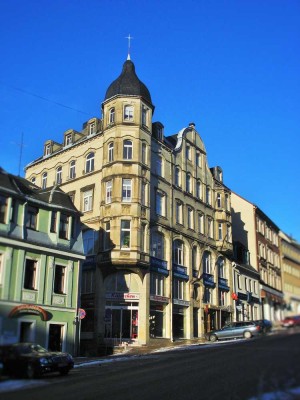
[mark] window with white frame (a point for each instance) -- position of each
(221, 268)
(210, 227)
(160, 203)
(72, 169)
(128, 113)
(3, 208)
(159, 166)
(59, 175)
(219, 203)
(92, 128)
(68, 140)
(44, 180)
(111, 118)
(88, 200)
(201, 223)
(110, 151)
(107, 241)
(178, 212)
(157, 245)
(89, 163)
(206, 262)
(144, 153)
(127, 150)
(125, 234)
(178, 252)
(177, 177)
(30, 274)
(198, 189)
(179, 289)
(108, 192)
(59, 279)
(220, 231)
(157, 283)
(126, 190)
(190, 217)
(222, 298)
(48, 149)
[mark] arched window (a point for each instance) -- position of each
(128, 113)
(206, 262)
(72, 171)
(221, 267)
(157, 245)
(111, 116)
(127, 150)
(111, 151)
(59, 175)
(89, 164)
(44, 180)
(178, 252)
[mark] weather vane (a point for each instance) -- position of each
(129, 39)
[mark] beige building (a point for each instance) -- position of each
(261, 238)
(157, 221)
(290, 259)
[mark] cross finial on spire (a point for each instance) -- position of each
(129, 39)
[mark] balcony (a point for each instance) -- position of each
(223, 284)
(208, 280)
(158, 265)
(180, 271)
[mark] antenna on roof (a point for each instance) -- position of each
(129, 39)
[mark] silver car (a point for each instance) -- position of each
(241, 329)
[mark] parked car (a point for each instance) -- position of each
(241, 329)
(265, 325)
(32, 360)
(290, 322)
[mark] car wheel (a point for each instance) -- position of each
(247, 335)
(64, 371)
(213, 338)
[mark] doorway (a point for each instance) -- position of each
(26, 331)
(121, 322)
(55, 341)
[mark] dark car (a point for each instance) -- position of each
(291, 322)
(32, 360)
(240, 329)
(265, 324)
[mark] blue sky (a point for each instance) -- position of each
(231, 67)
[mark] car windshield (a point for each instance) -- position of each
(31, 348)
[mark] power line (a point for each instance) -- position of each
(43, 98)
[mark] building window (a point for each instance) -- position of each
(3, 208)
(92, 128)
(207, 295)
(157, 245)
(44, 180)
(157, 283)
(220, 231)
(177, 177)
(198, 190)
(31, 217)
(159, 166)
(87, 283)
(198, 159)
(89, 238)
(222, 298)
(144, 194)
(208, 197)
(144, 153)
(89, 164)
(63, 226)
(179, 286)
(53, 221)
(219, 204)
(144, 116)
(210, 228)
(72, 170)
(107, 242)
(178, 213)
(160, 203)
(178, 252)
(126, 190)
(221, 269)
(194, 258)
(206, 262)
(111, 116)
(201, 223)
(88, 200)
(143, 237)
(226, 202)
(110, 152)
(188, 152)
(59, 279)
(68, 139)
(190, 218)
(127, 150)
(30, 274)
(128, 113)
(125, 234)
(48, 149)
(188, 183)
(108, 191)
(59, 175)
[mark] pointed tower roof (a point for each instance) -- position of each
(128, 84)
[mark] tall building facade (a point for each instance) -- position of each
(157, 221)
(40, 254)
(262, 237)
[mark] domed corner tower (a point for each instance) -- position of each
(125, 201)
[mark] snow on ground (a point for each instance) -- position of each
(17, 384)
(288, 394)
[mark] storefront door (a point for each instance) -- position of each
(121, 322)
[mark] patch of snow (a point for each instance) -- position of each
(17, 384)
(288, 394)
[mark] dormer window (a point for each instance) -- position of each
(68, 139)
(92, 128)
(128, 113)
(48, 149)
(111, 119)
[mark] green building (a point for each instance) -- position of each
(41, 250)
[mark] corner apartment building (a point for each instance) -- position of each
(157, 222)
(290, 261)
(40, 254)
(260, 236)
